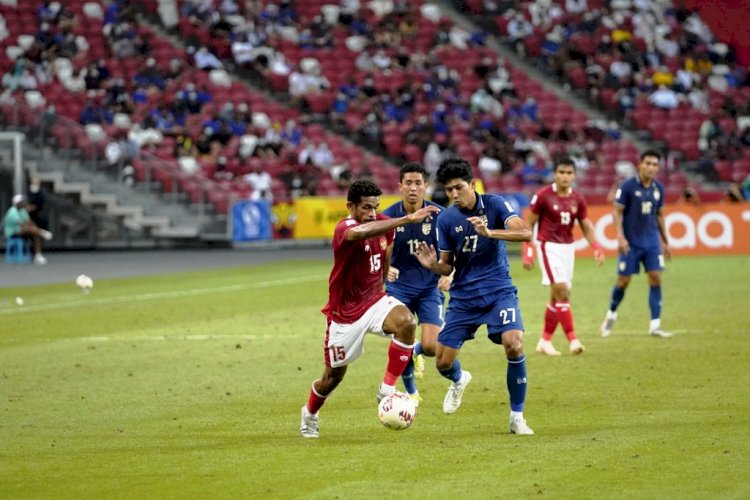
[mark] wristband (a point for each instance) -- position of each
(597, 247)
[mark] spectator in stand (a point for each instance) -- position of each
(664, 98)
(206, 60)
(322, 157)
(94, 113)
(534, 172)
(291, 134)
(261, 183)
(150, 76)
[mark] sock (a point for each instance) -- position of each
(617, 295)
(454, 372)
(516, 379)
(654, 301)
(399, 354)
(550, 322)
(417, 349)
(408, 377)
(654, 324)
(565, 314)
(315, 400)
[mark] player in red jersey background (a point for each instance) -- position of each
(357, 303)
(554, 209)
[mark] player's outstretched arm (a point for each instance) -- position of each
(516, 229)
(380, 227)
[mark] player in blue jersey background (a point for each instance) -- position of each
(407, 280)
(471, 244)
(641, 238)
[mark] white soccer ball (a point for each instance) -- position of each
(396, 411)
(84, 282)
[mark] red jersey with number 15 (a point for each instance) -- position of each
(356, 281)
(557, 214)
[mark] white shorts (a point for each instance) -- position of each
(345, 342)
(556, 260)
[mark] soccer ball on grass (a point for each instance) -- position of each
(396, 411)
(85, 283)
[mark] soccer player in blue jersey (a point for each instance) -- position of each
(407, 280)
(641, 238)
(471, 241)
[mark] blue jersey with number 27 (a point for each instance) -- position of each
(481, 264)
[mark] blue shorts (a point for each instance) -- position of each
(428, 304)
(499, 311)
(630, 263)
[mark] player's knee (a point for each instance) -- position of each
(443, 363)
(513, 343)
(405, 327)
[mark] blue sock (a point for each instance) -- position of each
(417, 349)
(454, 372)
(407, 376)
(617, 295)
(654, 301)
(516, 380)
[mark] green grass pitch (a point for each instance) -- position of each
(190, 386)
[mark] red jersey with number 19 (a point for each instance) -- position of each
(557, 214)
(356, 281)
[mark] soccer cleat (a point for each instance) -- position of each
(456, 390)
(519, 426)
(308, 426)
(609, 322)
(45, 234)
(416, 398)
(546, 347)
(658, 332)
(418, 366)
(576, 347)
(40, 259)
(381, 394)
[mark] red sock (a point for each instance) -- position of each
(565, 315)
(550, 322)
(398, 357)
(315, 400)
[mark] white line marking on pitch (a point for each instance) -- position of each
(159, 338)
(160, 295)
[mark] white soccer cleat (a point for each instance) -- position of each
(456, 390)
(658, 332)
(609, 322)
(45, 234)
(546, 347)
(40, 259)
(519, 426)
(418, 366)
(576, 347)
(308, 426)
(381, 393)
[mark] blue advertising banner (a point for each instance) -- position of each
(251, 220)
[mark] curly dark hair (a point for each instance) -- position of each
(410, 167)
(454, 168)
(360, 189)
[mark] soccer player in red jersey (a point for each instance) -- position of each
(357, 303)
(555, 208)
